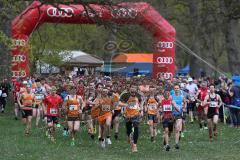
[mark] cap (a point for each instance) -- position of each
(190, 79)
(24, 82)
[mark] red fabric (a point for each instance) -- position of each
(52, 102)
(166, 114)
(139, 13)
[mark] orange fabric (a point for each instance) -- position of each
(152, 106)
(27, 99)
(34, 85)
(95, 112)
(73, 107)
(106, 105)
(102, 119)
(133, 58)
(116, 101)
(133, 107)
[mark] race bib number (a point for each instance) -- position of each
(132, 105)
(39, 97)
(53, 111)
(213, 104)
(106, 108)
(73, 107)
(152, 106)
(167, 108)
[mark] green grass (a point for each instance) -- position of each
(195, 145)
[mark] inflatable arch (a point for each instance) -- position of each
(124, 13)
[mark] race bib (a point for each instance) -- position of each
(53, 111)
(213, 104)
(106, 108)
(132, 105)
(73, 107)
(39, 97)
(152, 106)
(167, 108)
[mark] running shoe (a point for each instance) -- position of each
(73, 142)
(167, 148)
(177, 146)
(108, 140)
(182, 135)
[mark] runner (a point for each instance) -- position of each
(180, 104)
(167, 107)
(214, 102)
(202, 109)
(16, 90)
(152, 109)
(89, 98)
(105, 103)
(134, 109)
(73, 105)
(26, 103)
(52, 104)
(39, 96)
(117, 109)
(192, 90)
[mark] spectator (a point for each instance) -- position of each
(235, 94)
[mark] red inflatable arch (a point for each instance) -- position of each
(125, 13)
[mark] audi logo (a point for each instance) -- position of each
(165, 60)
(124, 13)
(18, 74)
(19, 58)
(164, 45)
(64, 12)
(166, 75)
(19, 42)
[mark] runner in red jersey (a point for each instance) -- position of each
(167, 107)
(81, 88)
(52, 104)
(202, 108)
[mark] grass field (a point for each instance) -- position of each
(195, 145)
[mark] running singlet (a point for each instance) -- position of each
(167, 108)
(27, 100)
(133, 107)
(39, 95)
(73, 106)
(52, 103)
(152, 106)
(16, 90)
(80, 91)
(106, 105)
(202, 94)
(179, 103)
(213, 106)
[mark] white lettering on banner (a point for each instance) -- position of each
(17, 74)
(164, 45)
(166, 75)
(64, 12)
(165, 60)
(19, 42)
(124, 13)
(19, 58)
(91, 14)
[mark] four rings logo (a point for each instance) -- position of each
(164, 45)
(19, 42)
(124, 13)
(17, 74)
(19, 58)
(165, 60)
(64, 12)
(166, 75)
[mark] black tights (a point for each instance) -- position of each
(129, 126)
